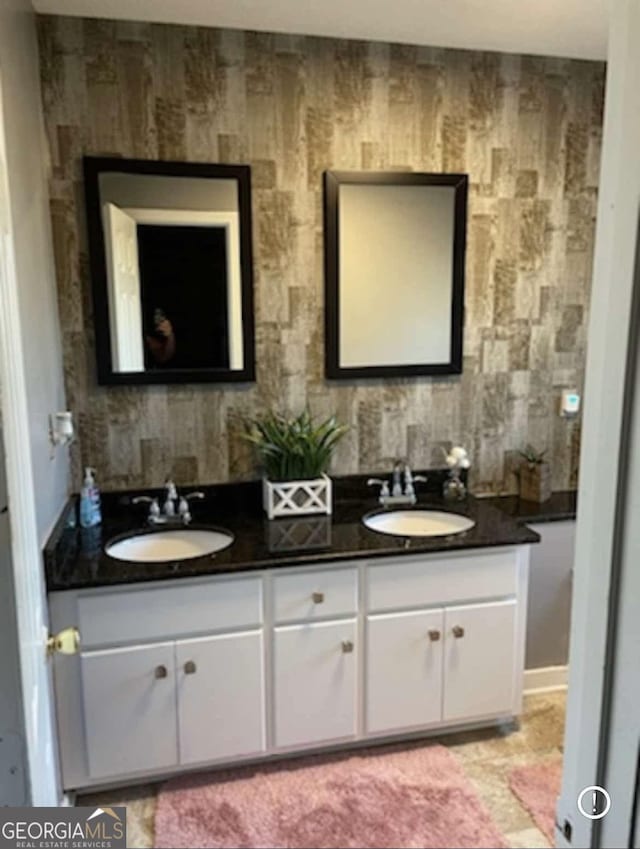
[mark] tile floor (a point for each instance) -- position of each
(487, 757)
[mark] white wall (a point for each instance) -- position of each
(549, 602)
(26, 160)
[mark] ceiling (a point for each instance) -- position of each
(574, 28)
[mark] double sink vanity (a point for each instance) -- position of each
(240, 639)
(208, 634)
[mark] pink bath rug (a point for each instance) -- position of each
(392, 797)
(538, 787)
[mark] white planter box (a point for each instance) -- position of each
(297, 498)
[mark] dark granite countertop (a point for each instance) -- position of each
(562, 506)
(75, 558)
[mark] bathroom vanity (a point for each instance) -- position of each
(256, 652)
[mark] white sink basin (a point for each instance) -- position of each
(161, 546)
(418, 523)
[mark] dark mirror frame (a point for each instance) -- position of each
(332, 182)
(93, 167)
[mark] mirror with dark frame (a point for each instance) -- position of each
(394, 273)
(171, 267)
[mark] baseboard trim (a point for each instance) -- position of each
(545, 679)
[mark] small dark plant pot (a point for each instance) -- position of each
(535, 482)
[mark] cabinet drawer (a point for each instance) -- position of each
(313, 595)
(138, 615)
(403, 583)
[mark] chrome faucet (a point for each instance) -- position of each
(175, 508)
(402, 489)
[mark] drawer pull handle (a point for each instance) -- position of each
(458, 631)
(190, 668)
(434, 635)
(347, 646)
(161, 671)
(318, 598)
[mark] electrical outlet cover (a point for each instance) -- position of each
(570, 403)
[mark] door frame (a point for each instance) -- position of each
(605, 486)
(30, 593)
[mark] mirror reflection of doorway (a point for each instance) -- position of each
(183, 293)
(173, 289)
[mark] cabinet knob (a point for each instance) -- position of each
(190, 668)
(318, 598)
(347, 646)
(161, 671)
(458, 631)
(434, 635)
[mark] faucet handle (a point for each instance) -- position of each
(183, 506)
(410, 481)
(154, 507)
(142, 499)
(183, 510)
(384, 486)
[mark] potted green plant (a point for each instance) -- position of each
(534, 475)
(295, 453)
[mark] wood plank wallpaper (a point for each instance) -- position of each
(528, 132)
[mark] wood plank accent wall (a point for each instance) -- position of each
(526, 129)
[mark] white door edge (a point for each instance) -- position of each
(27, 559)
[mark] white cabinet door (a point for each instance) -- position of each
(315, 679)
(129, 697)
(404, 670)
(480, 652)
(221, 706)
